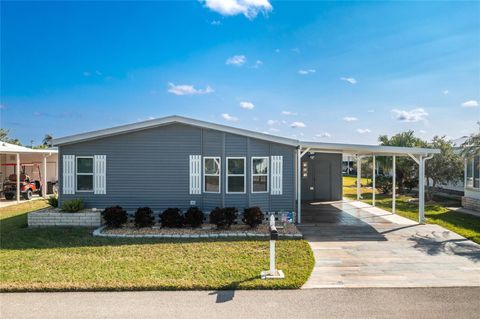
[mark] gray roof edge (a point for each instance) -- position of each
(137, 126)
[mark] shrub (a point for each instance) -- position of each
(73, 205)
(171, 217)
(252, 216)
(194, 217)
(223, 217)
(144, 217)
(384, 184)
(53, 201)
(115, 216)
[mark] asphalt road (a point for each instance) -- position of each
(312, 303)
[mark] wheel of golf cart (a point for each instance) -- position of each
(9, 196)
(28, 194)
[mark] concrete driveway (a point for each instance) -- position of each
(357, 245)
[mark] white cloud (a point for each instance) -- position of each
(323, 135)
(422, 132)
(228, 117)
(249, 8)
(288, 113)
(371, 111)
(186, 89)
(237, 60)
(257, 64)
(471, 103)
(272, 122)
(445, 92)
(298, 125)
(350, 119)
(414, 115)
(272, 129)
(216, 22)
(349, 80)
(247, 105)
(363, 130)
(305, 72)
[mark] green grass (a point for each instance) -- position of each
(67, 259)
(465, 225)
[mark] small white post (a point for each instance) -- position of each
(421, 190)
(44, 177)
(373, 182)
(299, 185)
(359, 176)
(17, 169)
(394, 183)
(272, 273)
(272, 258)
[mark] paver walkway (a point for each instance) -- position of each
(357, 245)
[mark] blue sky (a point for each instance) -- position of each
(323, 71)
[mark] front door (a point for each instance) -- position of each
(322, 177)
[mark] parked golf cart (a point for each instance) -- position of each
(28, 185)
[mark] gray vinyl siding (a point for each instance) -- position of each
(151, 168)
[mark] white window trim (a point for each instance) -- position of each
(267, 175)
(77, 173)
(219, 174)
(244, 175)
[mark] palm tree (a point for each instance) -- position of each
(47, 140)
(471, 147)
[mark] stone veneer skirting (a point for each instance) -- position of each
(471, 203)
(47, 218)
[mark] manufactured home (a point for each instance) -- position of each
(181, 162)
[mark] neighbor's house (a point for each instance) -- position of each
(180, 162)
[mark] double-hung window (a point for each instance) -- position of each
(235, 175)
(211, 174)
(260, 174)
(84, 173)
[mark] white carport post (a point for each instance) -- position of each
(359, 177)
(394, 183)
(44, 176)
(373, 182)
(421, 190)
(17, 173)
(299, 182)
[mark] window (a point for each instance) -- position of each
(211, 174)
(235, 174)
(84, 174)
(260, 174)
(473, 172)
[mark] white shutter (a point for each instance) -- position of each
(100, 174)
(277, 175)
(68, 185)
(195, 174)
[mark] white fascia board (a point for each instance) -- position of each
(368, 149)
(166, 121)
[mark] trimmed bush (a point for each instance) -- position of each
(53, 201)
(172, 218)
(253, 216)
(223, 217)
(73, 205)
(194, 217)
(144, 217)
(384, 184)
(115, 216)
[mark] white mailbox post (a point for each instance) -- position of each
(273, 273)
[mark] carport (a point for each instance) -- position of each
(17, 155)
(359, 152)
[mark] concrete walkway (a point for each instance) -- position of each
(357, 245)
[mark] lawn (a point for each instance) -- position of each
(435, 212)
(67, 259)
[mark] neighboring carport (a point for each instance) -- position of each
(15, 156)
(419, 155)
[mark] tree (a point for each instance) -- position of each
(406, 168)
(444, 167)
(471, 147)
(4, 137)
(47, 140)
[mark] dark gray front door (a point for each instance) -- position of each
(323, 181)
